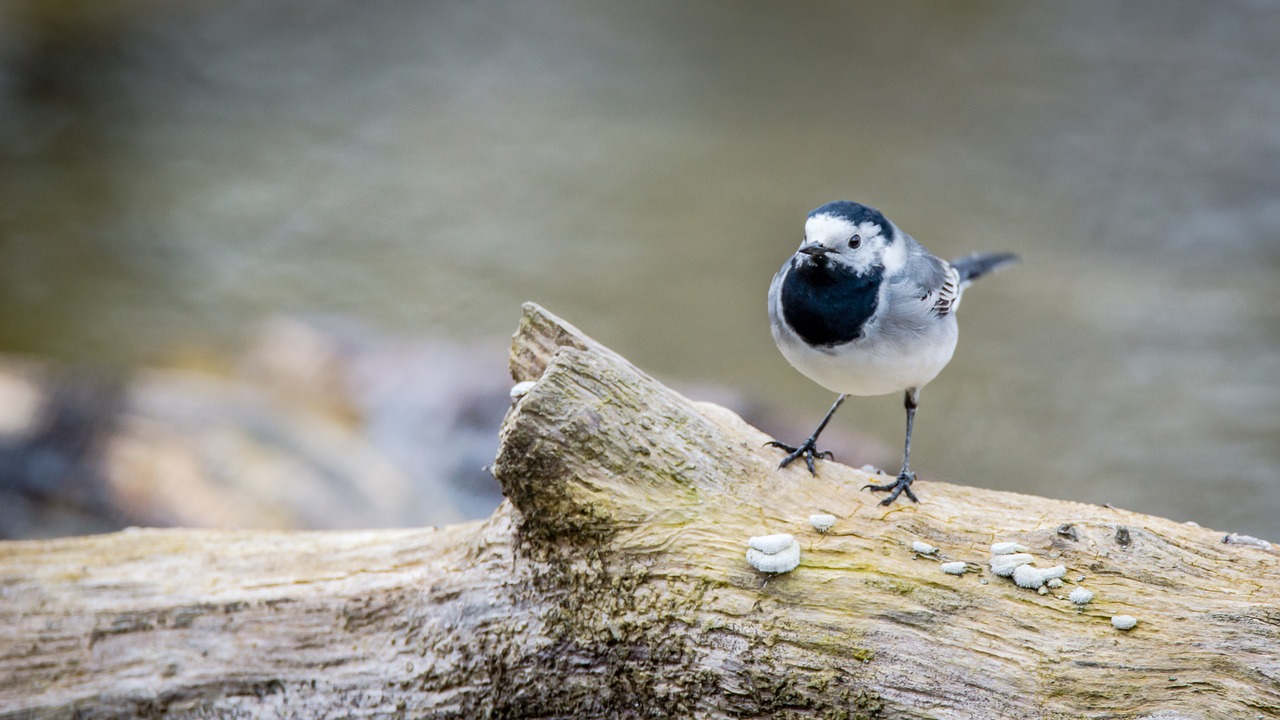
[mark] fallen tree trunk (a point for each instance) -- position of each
(612, 583)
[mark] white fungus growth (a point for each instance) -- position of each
(1006, 548)
(822, 522)
(1032, 578)
(1004, 565)
(770, 544)
(521, 389)
(1080, 596)
(923, 548)
(785, 559)
(1124, 622)
(1054, 583)
(954, 568)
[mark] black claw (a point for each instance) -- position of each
(897, 487)
(806, 450)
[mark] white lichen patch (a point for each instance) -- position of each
(1004, 565)
(1124, 622)
(1080, 596)
(954, 568)
(1033, 578)
(521, 389)
(1246, 540)
(784, 560)
(770, 544)
(923, 548)
(1006, 548)
(822, 522)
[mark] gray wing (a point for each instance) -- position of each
(931, 282)
(920, 299)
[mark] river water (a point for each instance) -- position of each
(176, 172)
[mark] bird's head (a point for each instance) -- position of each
(851, 235)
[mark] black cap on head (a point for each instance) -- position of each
(856, 214)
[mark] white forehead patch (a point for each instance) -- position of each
(828, 229)
(831, 230)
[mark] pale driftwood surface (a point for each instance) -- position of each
(612, 583)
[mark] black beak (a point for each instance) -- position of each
(814, 248)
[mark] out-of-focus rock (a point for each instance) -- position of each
(307, 364)
(432, 407)
(192, 450)
(19, 401)
(54, 428)
(99, 452)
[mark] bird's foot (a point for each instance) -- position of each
(806, 450)
(896, 488)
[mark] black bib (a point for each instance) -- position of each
(828, 304)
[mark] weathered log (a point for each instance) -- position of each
(612, 583)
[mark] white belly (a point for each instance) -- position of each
(860, 368)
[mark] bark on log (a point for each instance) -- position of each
(612, 583)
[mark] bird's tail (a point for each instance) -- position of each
(972, 267)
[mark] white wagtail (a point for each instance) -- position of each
(864, 309)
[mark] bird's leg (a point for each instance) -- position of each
(906, 477)
(807, 450)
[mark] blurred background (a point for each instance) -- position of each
(260, 261)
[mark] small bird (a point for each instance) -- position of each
(864, 309)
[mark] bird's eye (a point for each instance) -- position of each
(855, 241)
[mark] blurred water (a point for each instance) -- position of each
(175, 172)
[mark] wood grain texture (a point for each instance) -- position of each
(612, 583)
